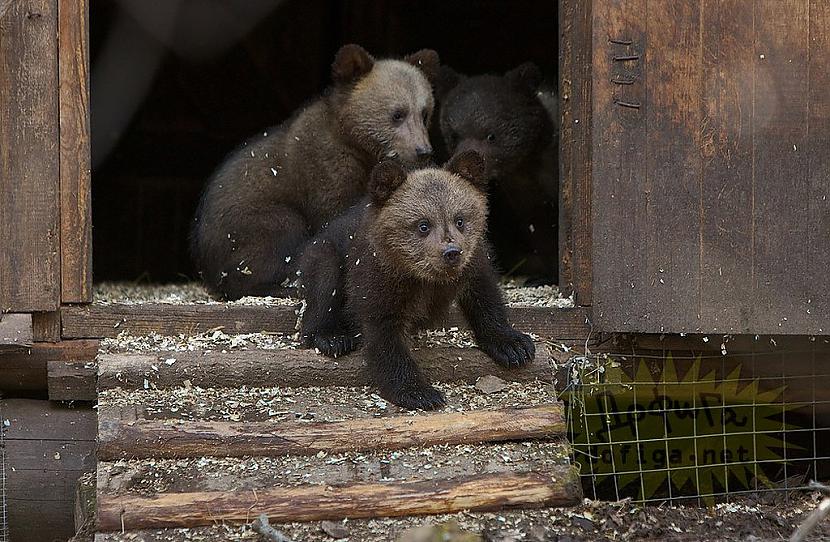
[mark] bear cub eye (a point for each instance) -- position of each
(423, 227)
(398, 116)
(459, 223)
(491, 137)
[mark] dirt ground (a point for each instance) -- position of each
(749, 519)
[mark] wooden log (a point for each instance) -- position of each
(24, 368)
(71, 380)
(75, 182)
(246, 473)
(99, 321)
(46, 326)
(16, 329)
(299, 368)
(177, 439)
(354, 501)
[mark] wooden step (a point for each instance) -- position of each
(319, 502)
(108, 320)
(299, 367)
(482, 452)
(174, 439)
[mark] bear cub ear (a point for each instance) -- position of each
(446, 80)
(526, 77)
(469, 165)
(427, 61)
(384, 180)
(350, 64)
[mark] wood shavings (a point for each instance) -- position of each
(123, 293)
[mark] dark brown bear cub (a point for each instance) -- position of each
(510, 122)
(395, 262)
(271, 195)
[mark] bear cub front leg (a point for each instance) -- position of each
(394, 370)
(483, 306)
(325, 324)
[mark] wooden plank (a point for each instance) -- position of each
(43, 485)
(299, 368)
(29, 219)
(623, 212)
(671, 268)
(319, 502)
(99, 321)
(818, 228)
(16, 329)
(176, 438)
(781, 282)
(31, 419)
(75, 187)
(70, 452)
(246, 473)
(72, 380)
(575, 84)
(46, 326)
(24, 368)
(726, 300)
(31, 520)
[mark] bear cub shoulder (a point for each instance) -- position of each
(395, 262)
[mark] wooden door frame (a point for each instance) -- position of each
(575, 218)
(75, 149)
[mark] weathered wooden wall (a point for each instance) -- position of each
(711, 151)
(47, 448)
(29, 169)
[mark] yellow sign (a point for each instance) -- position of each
(696, 435)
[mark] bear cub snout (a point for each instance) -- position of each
(395, 262)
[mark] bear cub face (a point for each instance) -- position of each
(501, 118)
(429, 223)
(386, 105)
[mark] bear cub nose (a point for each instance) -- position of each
(423, 152)
(452, 255)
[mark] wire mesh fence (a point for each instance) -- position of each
(699, 427)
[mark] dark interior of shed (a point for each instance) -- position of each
(175, 86)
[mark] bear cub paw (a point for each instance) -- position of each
(509, 348)
(413, 395)
(334, 343)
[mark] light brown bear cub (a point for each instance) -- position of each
(272, 194)
(395, 262)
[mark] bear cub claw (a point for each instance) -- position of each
(510, 349)
(334, 343)
(413, 395)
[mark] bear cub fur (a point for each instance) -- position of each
(274, 193)
(395, 262)
(511, 123)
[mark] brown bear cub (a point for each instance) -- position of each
(512, 124)
(274, 193)
(395, 262)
